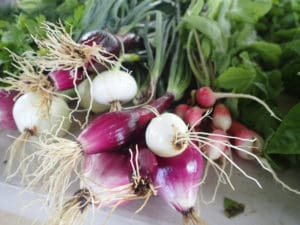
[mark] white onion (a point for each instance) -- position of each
(30, 112)
(161, 134)
(114, 85)
(85, 95)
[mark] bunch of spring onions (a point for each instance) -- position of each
(138, 142)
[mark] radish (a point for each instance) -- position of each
(254, 150)
(217, 143)
(221, 117)
(114, 87)
(33, 117)
(168, 136)
(6, 107)
(193, 116)
(206, 98)
(181, 109)
(178, 180)
(59, 158)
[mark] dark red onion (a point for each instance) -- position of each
(109, 42)
(6, 107)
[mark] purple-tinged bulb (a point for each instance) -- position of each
(178, 179)
(65, 79)
(6, 108)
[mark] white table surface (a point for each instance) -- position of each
(268, 206)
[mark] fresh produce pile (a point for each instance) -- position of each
(160, 92)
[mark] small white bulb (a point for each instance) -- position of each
(114, 85)
(161, 135)
(30, 112)
(85, 96)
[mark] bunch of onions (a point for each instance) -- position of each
(36, 110)
(59, 157)
(110, 179)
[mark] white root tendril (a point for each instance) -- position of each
(62, 52)
(16, 154)
(247, 96)
(276, 178)
(74, 211)
(56, 161)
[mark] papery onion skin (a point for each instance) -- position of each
(178, 178)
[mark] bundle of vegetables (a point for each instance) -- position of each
(135, 59)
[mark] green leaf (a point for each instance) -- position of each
(249, 10)
(210, 28)
(236, 78)
(286, 140)
(232, 207)
(269, 52)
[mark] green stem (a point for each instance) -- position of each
(203, 62)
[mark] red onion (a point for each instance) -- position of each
(6, 107)
(178, 178)
(107, 41)
(65, 79)
(111, 130)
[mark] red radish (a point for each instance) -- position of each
(65, 79)
(181, 109)
(178, 180)
(109, 131)
(221, 117)
(253, 150)
(206, 97)
(216, 145)
(193, 116)
(6, 107)
(242, 134)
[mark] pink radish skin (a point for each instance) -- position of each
(6, 108)
(178, 178)
(181, 109)
(216, 145)
(205, 97)
(193, 115)
(240, 131)
(221, 117)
